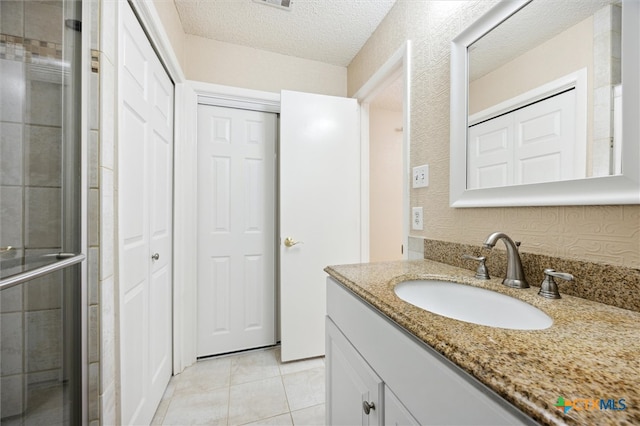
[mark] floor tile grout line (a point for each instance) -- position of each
(281, 374)
(286, 396)
(164, 416)
(229, 394)
(280, 363)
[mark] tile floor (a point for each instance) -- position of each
(253, 388)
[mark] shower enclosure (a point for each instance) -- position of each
(40, 213)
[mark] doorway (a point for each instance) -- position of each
(306, 194)
(385, 174)
(385, 118)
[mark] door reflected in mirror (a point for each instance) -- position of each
(544, 95)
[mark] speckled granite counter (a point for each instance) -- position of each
(592, 350)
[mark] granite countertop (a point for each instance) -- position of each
(592, 350)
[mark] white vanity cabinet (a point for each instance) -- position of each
(352, 385)
(370, 359)
(396, 414)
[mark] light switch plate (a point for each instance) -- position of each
(421, 176)
(416, 218)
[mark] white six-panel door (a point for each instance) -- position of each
(533, 144)
(236, 229)
(145, 147)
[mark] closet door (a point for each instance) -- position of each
(236, 229)
(145, 146)
(533, 144)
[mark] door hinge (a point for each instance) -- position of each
(95, 61)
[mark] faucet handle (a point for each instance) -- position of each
(482, 273)
(549, 287)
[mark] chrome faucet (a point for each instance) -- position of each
(515, 275)
(549, 287)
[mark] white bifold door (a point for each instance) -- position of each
(236, 229)
(145, 202)
(534, 144)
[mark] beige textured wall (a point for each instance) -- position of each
(171, 22)
(608, 234)
(229, 64)
(385, 180)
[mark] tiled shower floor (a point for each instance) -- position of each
(249, 388)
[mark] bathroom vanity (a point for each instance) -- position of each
(401, 380)
(389, 362)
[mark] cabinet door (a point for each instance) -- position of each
(351, 383)
(396, 414)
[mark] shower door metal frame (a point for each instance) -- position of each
(85, 90)
(67, 260)
(23, 277)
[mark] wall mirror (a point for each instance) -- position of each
(545, 105)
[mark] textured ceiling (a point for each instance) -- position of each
(537, 22)
(330, 31)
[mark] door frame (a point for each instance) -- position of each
(398, 65)
(185, 271)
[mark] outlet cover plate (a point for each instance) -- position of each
(416, 218)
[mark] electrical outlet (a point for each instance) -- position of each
(421, 176)
(416, 218)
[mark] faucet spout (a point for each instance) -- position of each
(515, 275)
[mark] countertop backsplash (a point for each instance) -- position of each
(600, 282)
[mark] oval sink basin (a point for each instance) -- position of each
(472, 304)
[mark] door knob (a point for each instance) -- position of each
(368, 406)
(155, 256)
(290, 242)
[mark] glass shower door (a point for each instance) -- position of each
(40, 213)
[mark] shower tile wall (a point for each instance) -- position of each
(102, 216)
(30, 116)
(93, 255)
(30, 194)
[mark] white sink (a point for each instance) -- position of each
(472, 304)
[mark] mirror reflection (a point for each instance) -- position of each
(544, 95)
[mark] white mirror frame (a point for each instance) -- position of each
(607, 190)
